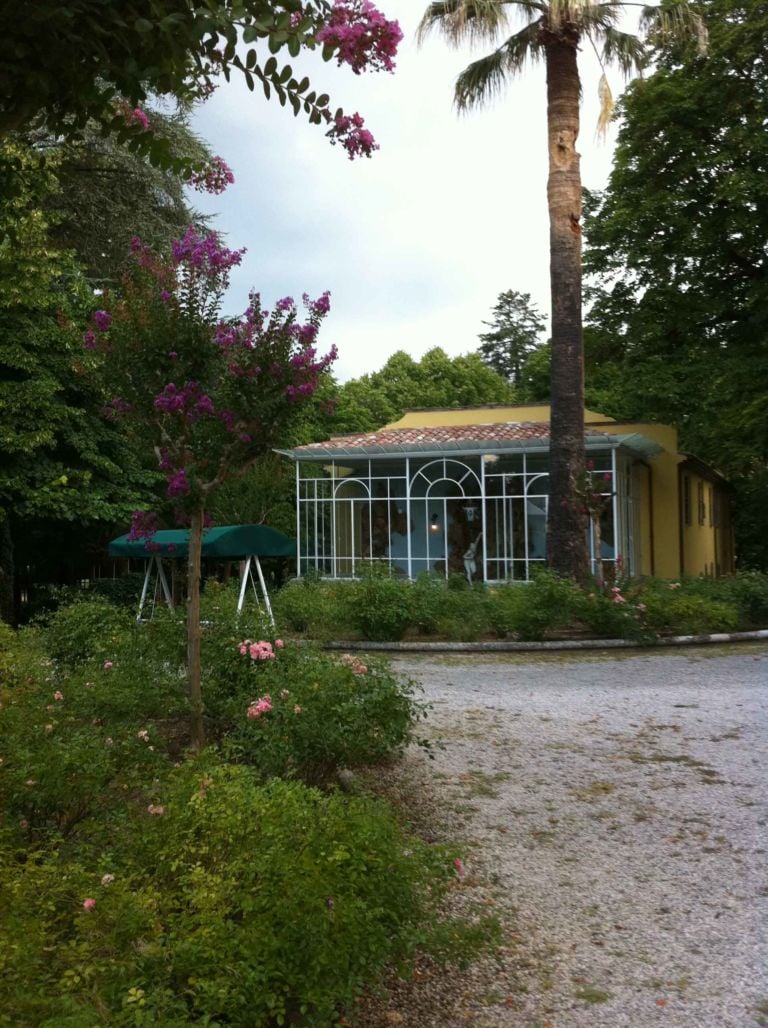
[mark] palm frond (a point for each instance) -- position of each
(621, 48)
(607, 106)
(484, 79)
(461, 21)
(676, 20)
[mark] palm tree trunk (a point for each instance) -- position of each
(566, 522)
(194, 672)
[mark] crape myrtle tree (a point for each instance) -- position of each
(68, 65)
(554, 31)
(208, 395)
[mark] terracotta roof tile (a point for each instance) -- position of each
(440, 436)
(450, 438)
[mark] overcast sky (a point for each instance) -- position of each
(416, 243)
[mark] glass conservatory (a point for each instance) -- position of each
(433, 501)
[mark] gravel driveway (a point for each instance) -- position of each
(614, 811)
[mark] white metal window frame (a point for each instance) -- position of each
(318, 504)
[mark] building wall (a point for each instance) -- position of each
(660, 502)
(433, 417)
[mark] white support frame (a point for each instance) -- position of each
(156, 563)
(247, 576)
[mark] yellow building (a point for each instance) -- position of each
(466, 490)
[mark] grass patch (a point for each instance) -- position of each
(591, 994)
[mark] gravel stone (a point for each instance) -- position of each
(613, 809)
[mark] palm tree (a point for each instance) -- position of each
(554, 30)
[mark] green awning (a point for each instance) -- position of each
(234, 542)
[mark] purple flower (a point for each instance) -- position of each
(144, 524)
(89, 340)
(214, 178)
(102, 320)
(361, 35)
(204, 253)
(177, 484)
(348, 130)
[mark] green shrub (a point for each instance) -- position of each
(677, 613)
(428, 602)
(22, 655)
(234, 903)
(530, 610)
(749, 591)
(69, 743)
(381, 606)
(86, 630)
(504, 604)
(319, 609)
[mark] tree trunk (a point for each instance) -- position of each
(194, 675)
(7, 573)
(566, 522)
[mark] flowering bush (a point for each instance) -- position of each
(241, 904)
(302, 713)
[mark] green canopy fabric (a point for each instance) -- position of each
(234, 542)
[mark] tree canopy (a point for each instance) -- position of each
(108, 193)
(437, 380)
(515, 331)
(677, 249)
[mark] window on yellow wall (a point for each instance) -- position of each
(710, 505)
(686, 500)
(700, 503)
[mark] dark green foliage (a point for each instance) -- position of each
(367, 403)
(321, 609)
(87, 631)
(613, 611)
(534, 608)
(676, 254)
(139, 888)
(66, 65)
(108, 194)
(686, 614)
(515, 331)
(239, 903)
(382, 608)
